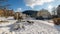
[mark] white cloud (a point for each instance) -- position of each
(33, 3)
(50, 7)
(18, 10)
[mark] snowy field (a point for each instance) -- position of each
(38, 27)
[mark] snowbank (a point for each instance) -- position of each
(38, 27)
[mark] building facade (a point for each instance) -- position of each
(4, 12)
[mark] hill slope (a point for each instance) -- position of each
(30, 13)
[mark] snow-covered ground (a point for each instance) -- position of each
(38, 27)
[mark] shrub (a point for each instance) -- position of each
(56, 21)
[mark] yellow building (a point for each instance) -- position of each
(1, 12)
(44, 14)
(4, 12)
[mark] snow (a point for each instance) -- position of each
(2, 18)
(10, 18)
(38, 27)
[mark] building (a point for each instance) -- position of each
(4, 12)
(10, 12)
(1, 12)
(44, 13)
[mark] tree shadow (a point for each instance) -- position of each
(57, 27)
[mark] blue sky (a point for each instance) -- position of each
(21, 5)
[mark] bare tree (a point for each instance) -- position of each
(54, 12)
(58, 10)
